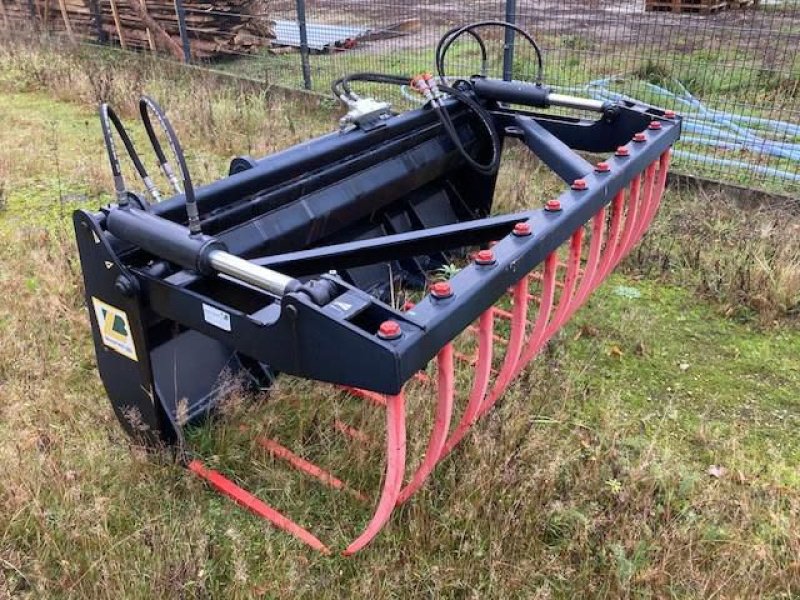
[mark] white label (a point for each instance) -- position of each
(115, 330)
(216, 317)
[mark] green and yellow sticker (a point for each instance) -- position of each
(114, 328)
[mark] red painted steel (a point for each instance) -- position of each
(246, 499)
(563, 288)
(305, 466)
(395, 470)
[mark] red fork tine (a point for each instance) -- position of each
(371, 397)
(609, 249)
(631, 220)
(249, 501)
(590, 277)
(483, 370)
(305, 466)
(537, 337)
(658, 192)
(566, 300)
(441, 426)
(647, 205)
(515, 343)
(351, 432)
(395, 470)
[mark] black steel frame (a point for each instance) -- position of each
(329, 209)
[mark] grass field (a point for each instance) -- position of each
(650, 452)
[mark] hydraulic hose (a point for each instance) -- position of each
(146, 106)
(486, 121)
(109, 118)
(192, 212)
(451, 36)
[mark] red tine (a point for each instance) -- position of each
(480, 384)
(372, 397)
(470, 360)
(441, 426)
(570, 281)
(646, 206)
(249, 501)
(606, 262)
(503, 314)
(537, 337)
(351, 432)
(658, 192)
(395, 470)
(631, 219)
(301, 464)
(515, 343)
(590, 279)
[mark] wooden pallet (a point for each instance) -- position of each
(743, 3)
(703, 7)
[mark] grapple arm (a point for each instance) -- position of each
(341, 223)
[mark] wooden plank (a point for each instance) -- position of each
(63, 6)
(115, 14)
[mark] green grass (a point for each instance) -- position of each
(590, 479)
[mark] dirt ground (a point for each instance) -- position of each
(606, 25)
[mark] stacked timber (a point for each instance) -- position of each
(703, 7)
(214, 27)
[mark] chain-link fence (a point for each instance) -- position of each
(729, 66)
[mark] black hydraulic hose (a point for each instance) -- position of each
(146, 106)
(192, 212)
(486, 120)
(447, 40)
(108, 117)
(341, 87)
(484, 55)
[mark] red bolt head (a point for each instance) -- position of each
(622, 151)
(639, 137)
(553, 205)
(408, 305)
(441, 290)
(485, 257)
(522, 229)
(580, 185)
(654, 125)
(669, 114)
(389, 330)
(602, 167)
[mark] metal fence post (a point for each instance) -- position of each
(304, 61)
(508, 46)
(97, 18)
(181, 12)
(32, 10)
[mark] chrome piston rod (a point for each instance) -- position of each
(243, 270)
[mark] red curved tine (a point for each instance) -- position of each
(372, 397)
(248, 500)
(590, 273)
(658, 192)
(567, 298)
(444, 412)
(483, 369)
(646, 208)
(301, 464)
(607, 261)
(631, 220)
(351, 432)
(537, 337)
(516, 342)
(395, 470)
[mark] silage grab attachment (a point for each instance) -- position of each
(294, 263)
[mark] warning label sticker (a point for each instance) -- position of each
(114, 328)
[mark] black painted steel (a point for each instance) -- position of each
(356, 214)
